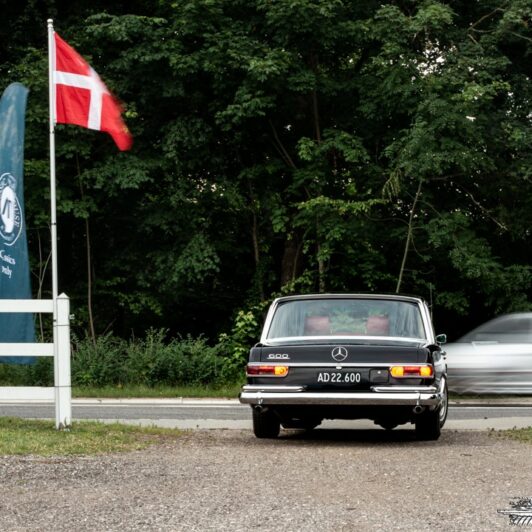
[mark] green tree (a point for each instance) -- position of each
(284, 146)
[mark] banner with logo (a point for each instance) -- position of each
(14, 263)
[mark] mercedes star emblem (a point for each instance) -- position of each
(339, 353)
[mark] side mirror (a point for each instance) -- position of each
(441, 339)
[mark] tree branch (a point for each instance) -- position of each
(483, 209)
(483, 18)
(408, 237)
(279, 145)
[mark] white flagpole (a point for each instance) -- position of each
(53, 217)
(61, 365)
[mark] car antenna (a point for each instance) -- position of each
(430, 298)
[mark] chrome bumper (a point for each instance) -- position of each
(254, 394)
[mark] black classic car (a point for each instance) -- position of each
(347, 356)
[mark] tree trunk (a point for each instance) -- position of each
(317, 133)
(89, 281)
(89, 263)
(289, 265)
(42, 274)
(321, 271)
(256, 255)
(408, 238)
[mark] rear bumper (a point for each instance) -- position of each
(379, 395)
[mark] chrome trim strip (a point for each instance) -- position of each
(334, 365)
(349, 295)
(265, 376)
(271, 388)
(402, 389)
(268, 396)
(377, 389)
(337, 339)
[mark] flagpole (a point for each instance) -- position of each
(53, 221)
(53, 209)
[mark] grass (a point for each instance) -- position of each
(140, 391)
(36, 437)
(522, 435)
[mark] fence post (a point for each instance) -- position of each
(63, 390)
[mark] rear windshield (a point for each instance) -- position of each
(346, 317)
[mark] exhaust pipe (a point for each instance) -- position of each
(418, 409)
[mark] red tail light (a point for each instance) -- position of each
(253, 370)
(421, 372)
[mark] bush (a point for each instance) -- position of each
(150, 361)
(244, 334)
(182, 361)
(39, 374)
(98, 363)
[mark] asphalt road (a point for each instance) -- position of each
(229, 414)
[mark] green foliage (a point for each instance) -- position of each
(279, 146)
(245, 333)
(152, 361)
(100, 363)
(39, 374)
(505, 288)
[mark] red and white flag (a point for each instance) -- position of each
(81, 97)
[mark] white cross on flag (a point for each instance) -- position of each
(81, 97)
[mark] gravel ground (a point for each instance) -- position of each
(228, 480)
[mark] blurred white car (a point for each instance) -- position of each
(496, 357)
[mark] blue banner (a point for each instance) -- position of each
(14, 263)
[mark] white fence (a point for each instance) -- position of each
(61, 392)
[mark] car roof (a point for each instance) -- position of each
(527, 315)
(503, 317)
(393, 297)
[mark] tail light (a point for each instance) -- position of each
(420, 372)
(253, 370)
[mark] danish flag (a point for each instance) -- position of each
(81, 97)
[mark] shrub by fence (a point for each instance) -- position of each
(150, 361)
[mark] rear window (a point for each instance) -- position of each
(346, 317)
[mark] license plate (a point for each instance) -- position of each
(339, 377)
